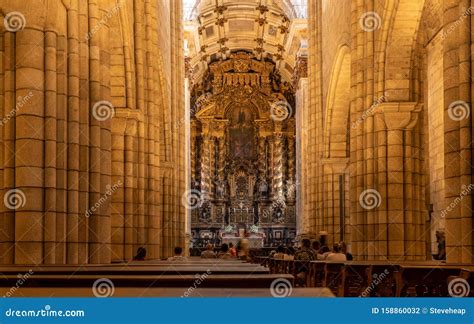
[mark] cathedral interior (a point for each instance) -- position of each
(163, 124)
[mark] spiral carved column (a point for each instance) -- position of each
(221, 159)
(212, 166)
(205, 166)
(278, 166)
(193, 153)
(291, 185)
(262, 160)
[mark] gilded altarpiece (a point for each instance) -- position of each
(243, 152)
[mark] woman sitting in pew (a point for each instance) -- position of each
(141, 254)
(323, 252)
(232, 250)
(178, 255)
(349, 256)
(208, 253)
(336, 254)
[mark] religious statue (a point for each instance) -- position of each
(278, 216)
(263, 189)
(221, 189)
(205, 215)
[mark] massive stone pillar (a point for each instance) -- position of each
(28, 150)
(336, 215)
(458, 125)
(404, 221)
(302, 217)
(87, 130)
(313, 136)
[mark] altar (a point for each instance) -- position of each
(254, 242)
(243, 160)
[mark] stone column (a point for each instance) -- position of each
(302, 216)
(334, 169)
(50, 147)
(29, 146)
(403, 221)
(458, 125)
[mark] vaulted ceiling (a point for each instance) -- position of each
(272, 29)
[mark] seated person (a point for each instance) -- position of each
(208, 253)
(178, 255)
(243, 252)
(141, 254)
(224, 253)
(280, 254)
(232, 250)
(323, 253)
(290, 253)
(305, 253)
(349, 256)
(316, 246)
(336, 254)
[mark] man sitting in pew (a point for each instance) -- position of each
(305, 253)
(178, 255)
(336, 254)
(208, 253)
(224, 253)
(280, 253)
(141, 254)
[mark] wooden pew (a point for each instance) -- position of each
(316, 274)
(127, 280)
(466, 273)
(425, 280)
(169, 292)
(380, 278)
(157, 270)
(300, 270)
(355, 280)
(334, 277)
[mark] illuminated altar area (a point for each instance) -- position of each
(243, 154)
